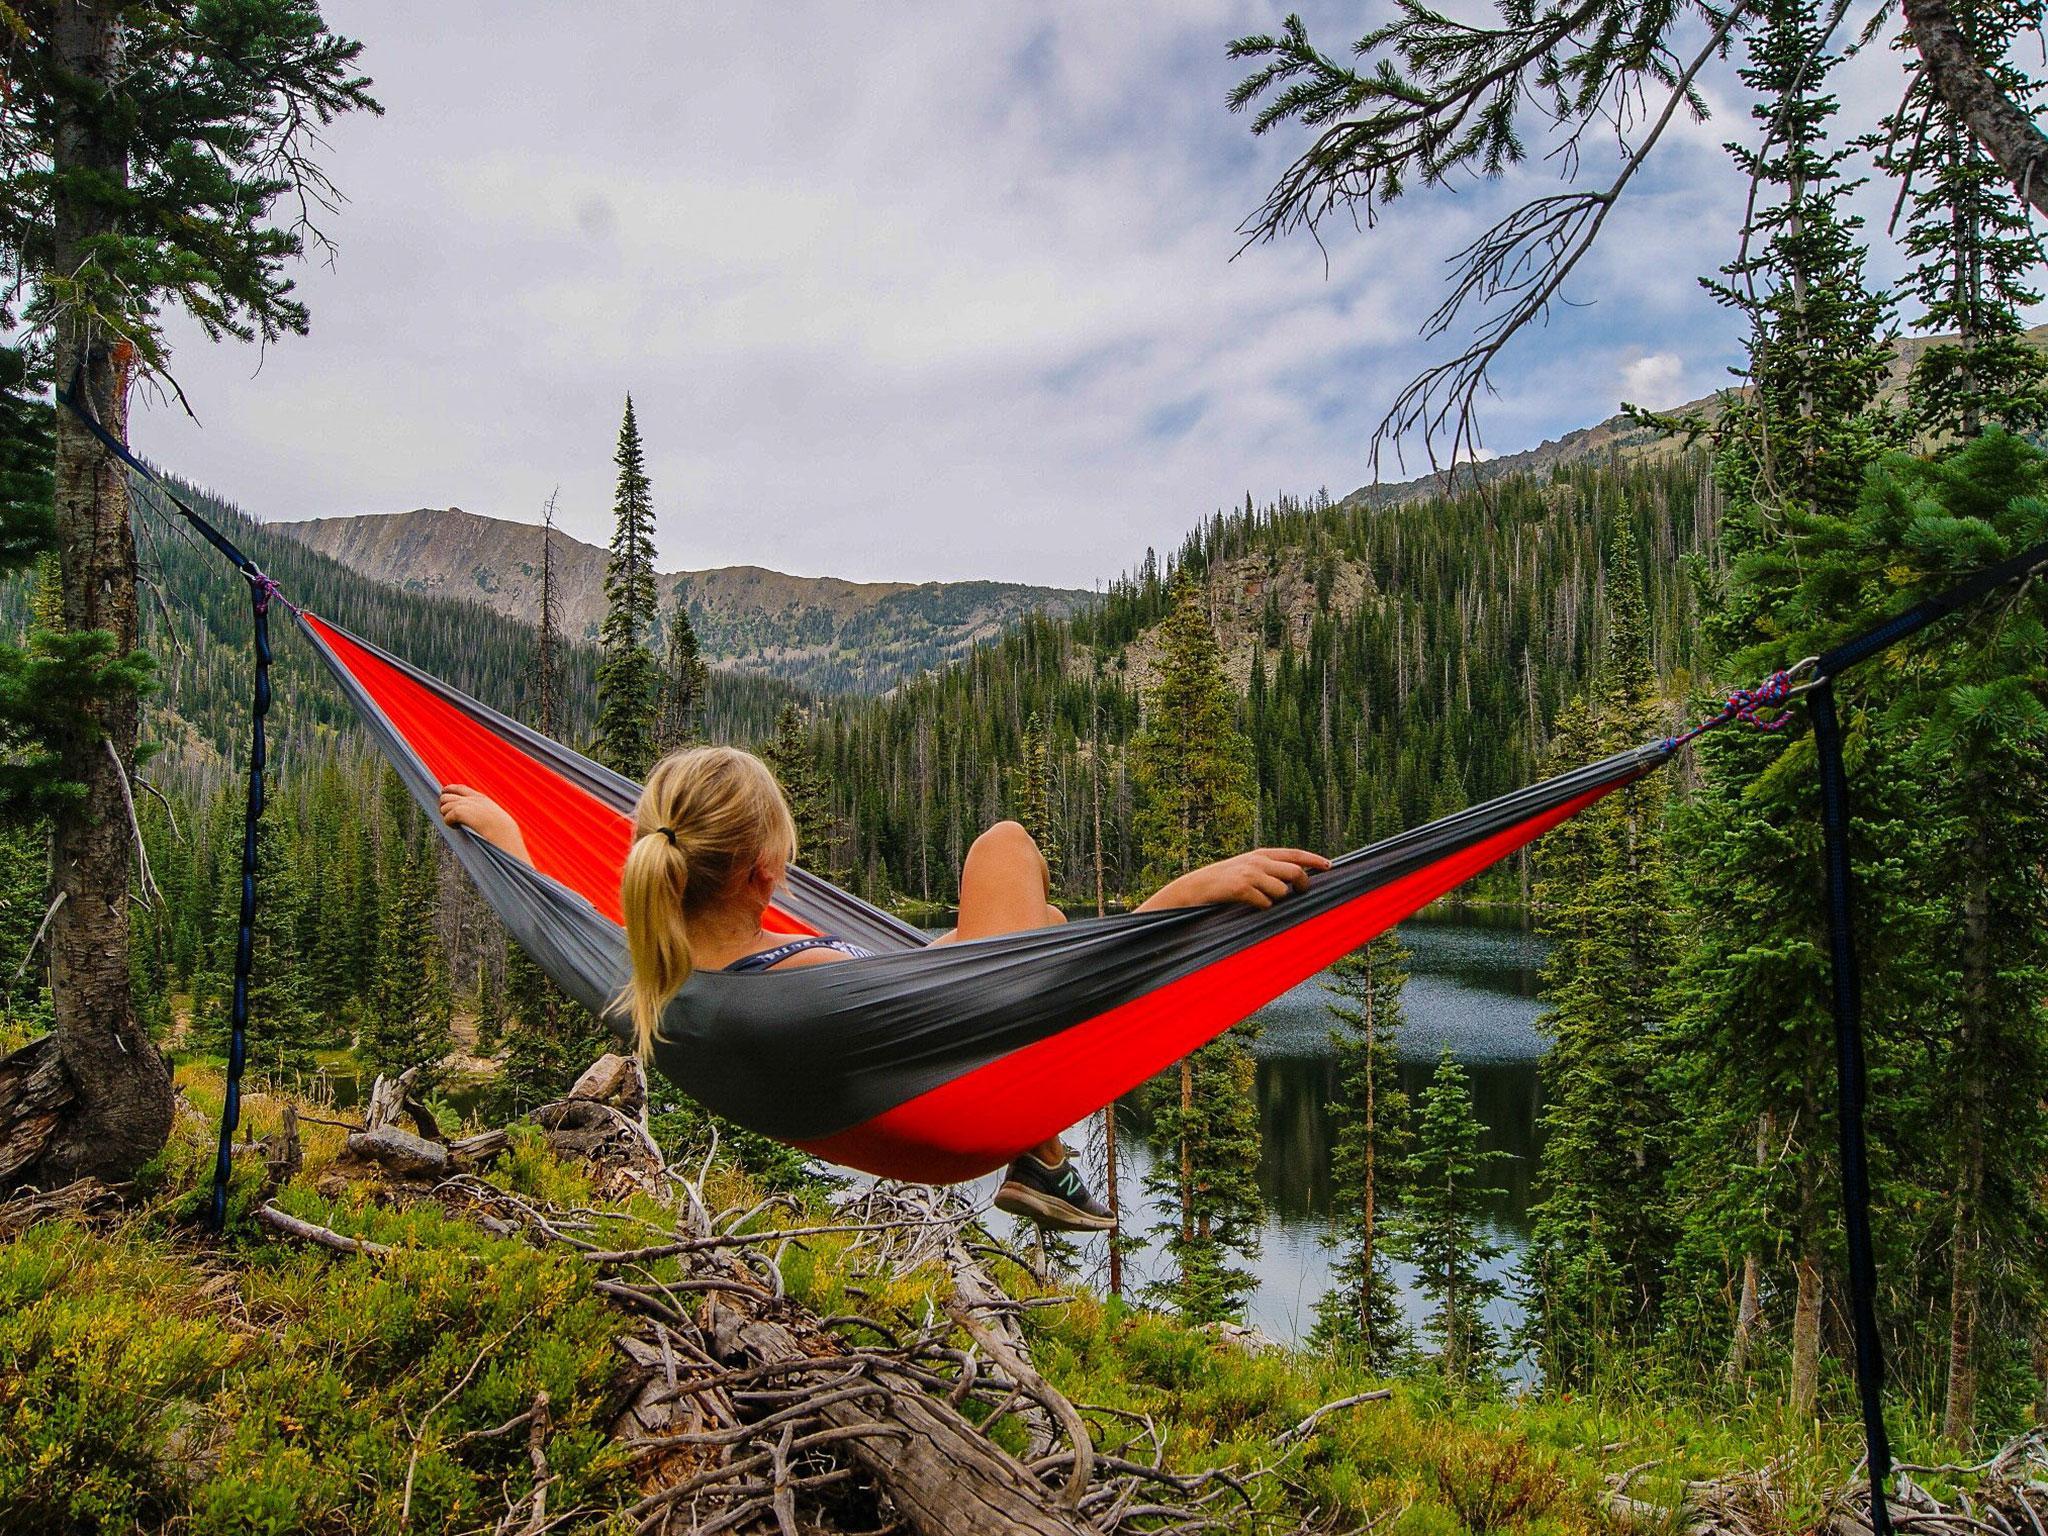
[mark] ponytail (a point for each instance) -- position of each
(651, 891)
(707, 818)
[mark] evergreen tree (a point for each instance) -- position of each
(1191, 761)
(282, 1032)
(1600, 1233)
(549, 1039)
(628, 676)
(1974, 694)
(685, 682)
(1037, 796)
(408, 1022)
(1972, 246)
(1209, 1190)
(789, 754)
(547, 636)
(1753, 1049)
(1438, 1227)
(1192, 766)
(146, 149)
(1362, 1312)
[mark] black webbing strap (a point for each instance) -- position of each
(261, 590)
(1920, 615)
(1850, 1071)
(1849, 1095)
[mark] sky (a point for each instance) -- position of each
(899, 292)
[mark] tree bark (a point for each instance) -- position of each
(1806, 1336)
(2005, 129)
(121, 1116)
(1959, 1409)
(1749, 1305)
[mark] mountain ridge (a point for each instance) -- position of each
(826, 633)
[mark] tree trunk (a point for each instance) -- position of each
(1806, 1336)
(1187, 1152)
(1116, 1246)
(1370, 1213)
(122, 1112)
(1750, 1304)
(1959, 1410)
(2005, 129)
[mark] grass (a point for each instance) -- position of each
(153, 1380)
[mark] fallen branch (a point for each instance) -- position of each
(324, 1237)
(1301, 1430)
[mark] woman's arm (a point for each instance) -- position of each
(1257, 879)
(462, 806)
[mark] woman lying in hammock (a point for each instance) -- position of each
(712, 840)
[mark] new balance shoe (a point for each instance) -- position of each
(1053, 1197)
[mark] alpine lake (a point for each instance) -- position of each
(1472, 987)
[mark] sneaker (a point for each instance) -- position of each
(1053, 1197)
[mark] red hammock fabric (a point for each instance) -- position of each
(574, 837)
(979, 1120)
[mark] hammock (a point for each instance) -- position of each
(918, 1063)
(940, 1066)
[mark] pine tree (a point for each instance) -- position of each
(1208, 1117)
(147, 148)
(408, 1018)
(547, 639)
(548, 1037)
(1439, 1226)
(810, 806)
(628, 677)
(1600, 1237)
(1191, 762)
(1192, 767)
(1037, 796)
(1753, 1046)
(282, 1031)
(1974, 695)
(1362, 1312)
(685, 682)
(1973, 249)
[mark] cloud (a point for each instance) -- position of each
(899, 292)
(1656, 381)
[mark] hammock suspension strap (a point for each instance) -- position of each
(262, 590)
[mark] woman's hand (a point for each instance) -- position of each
(462, 806)
(1256, 879)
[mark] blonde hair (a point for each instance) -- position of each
(708, 817)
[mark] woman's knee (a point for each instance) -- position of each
(1005, 837)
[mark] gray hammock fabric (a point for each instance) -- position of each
(929, 1063)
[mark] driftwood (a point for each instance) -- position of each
(746, 1413)
(416, 1153)
(82, 1197)
(2008, 1497)
(604, 1121)
(1307, 1425)
(324, 1237)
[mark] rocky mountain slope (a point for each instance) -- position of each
(824, 633)
(1616, 438)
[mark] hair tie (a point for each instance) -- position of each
(669, 833)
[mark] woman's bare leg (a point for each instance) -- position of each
(1004, 887)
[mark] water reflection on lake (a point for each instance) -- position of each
(1472, 987)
